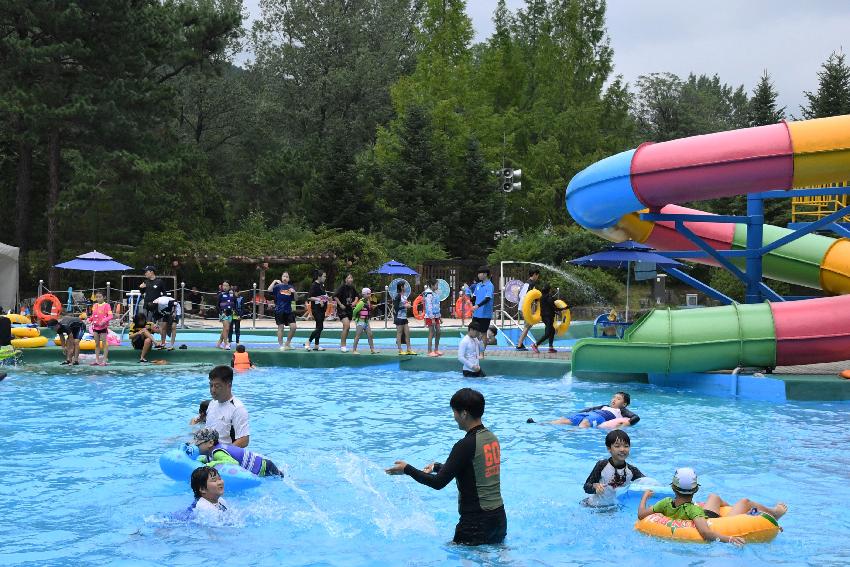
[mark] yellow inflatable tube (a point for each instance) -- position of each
(31, 342)
(531, 307)
(754, 529)
(85, 344)
(25, 332)
(562, 318)
(19, 319)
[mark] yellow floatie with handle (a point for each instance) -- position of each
(31, 342)
(562, 317)
(761, 528)
(531, 307)
(19, 319)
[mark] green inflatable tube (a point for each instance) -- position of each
(689, 340)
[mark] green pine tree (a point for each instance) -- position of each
(833, 95)
(763, 106)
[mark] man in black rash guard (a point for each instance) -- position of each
(475, 463)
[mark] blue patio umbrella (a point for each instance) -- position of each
(93, 262)
(622, 255)
(393, 268)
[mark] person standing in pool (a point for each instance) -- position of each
(284, 296)
(318, 299)
(345, 297)
(226, 413)
(475, 462)
(482, 310)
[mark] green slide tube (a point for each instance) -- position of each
(798, 262)
(688, 340)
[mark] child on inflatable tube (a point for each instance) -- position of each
(685, 484)
(206, 449)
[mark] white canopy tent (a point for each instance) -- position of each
(8, 276)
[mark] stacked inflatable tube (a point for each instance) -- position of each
(608, 196)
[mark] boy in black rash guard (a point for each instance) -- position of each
(475, 463)
(612, 473)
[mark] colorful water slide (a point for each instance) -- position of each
(608, 196)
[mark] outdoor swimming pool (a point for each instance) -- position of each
(81, 484)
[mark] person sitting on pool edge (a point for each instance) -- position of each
(208, 488)
(613, 415)
(475, 461)
(685, 484)
(611, 473)
(141, 335)
(208, 450)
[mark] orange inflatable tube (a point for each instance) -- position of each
(754, 529)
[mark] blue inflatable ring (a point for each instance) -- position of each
(177, 465)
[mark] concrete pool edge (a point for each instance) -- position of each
(770, 387)
(774, 387)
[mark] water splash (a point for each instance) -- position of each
(586, 288)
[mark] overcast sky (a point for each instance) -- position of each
(736, 39)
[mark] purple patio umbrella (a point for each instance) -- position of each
(93, 262)
(621, 255)
(393, 268)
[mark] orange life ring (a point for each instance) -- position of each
(54, 311)
(419, 308)
(463, 307)
(329, 310)
(845, 374)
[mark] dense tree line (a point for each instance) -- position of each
(129, 128)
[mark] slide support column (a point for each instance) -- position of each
(755, 221)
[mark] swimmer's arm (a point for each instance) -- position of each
(633, 417)
(643, 511)
(710, 535)
(594, 477)
(463, 451)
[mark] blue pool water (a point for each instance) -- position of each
(81, 484)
